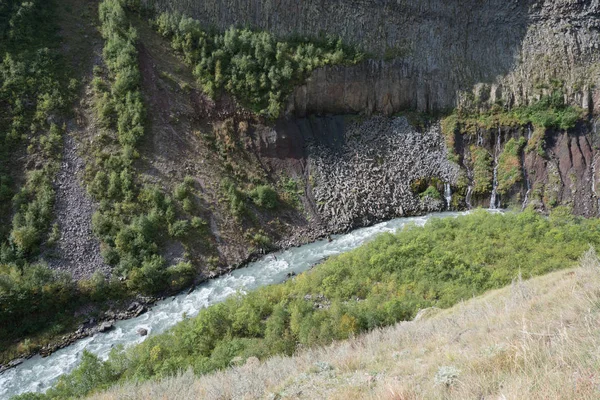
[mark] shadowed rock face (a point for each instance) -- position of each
(439, 53)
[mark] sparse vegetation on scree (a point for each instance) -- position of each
(132, 219)
(385, 281)
(34, 91)
(257, 68)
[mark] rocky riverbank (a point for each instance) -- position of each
(90, 327)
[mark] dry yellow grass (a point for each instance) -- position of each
(538, 339)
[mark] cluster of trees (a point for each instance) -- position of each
(262, 195)
(385, 281)
(255, 67)
(133, 220)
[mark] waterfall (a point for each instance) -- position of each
(526, 199)
(448, 195)
(527, 182)
(468, 197)
(494, 198)
(528, 132)
(594, 178)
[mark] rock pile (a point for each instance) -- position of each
(78, 249)
(368, 179)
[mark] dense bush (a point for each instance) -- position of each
(34, 291)
(264, 196)
(431, 192)
(385, 281)
(255, 67)
(549, 111)
(234, 196)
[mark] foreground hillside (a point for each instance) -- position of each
(384, 282)
(535, 339)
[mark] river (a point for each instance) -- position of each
(37, 374)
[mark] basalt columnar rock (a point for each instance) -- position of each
(358, 171)
(429, 55)
(369, 178)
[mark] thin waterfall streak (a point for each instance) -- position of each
(468, 197)
(448, 195)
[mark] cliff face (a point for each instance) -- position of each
(563, 170)
(357, 171)
(429, 55)
(438, 53)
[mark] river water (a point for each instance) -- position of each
(37, 374)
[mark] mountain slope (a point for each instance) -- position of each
(536, 339)
(143, 153)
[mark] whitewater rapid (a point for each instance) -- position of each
(37, 374)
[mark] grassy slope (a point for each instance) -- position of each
(533, 339)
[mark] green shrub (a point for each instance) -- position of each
(264, 196)
(179, 229)
(151, 278)
(261, 240)
(235, 197)
(181, 275)
(431, 192)
(483, 173)
(198, 223)
(291, 192)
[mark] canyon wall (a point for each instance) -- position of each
(430, 55)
